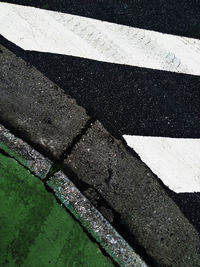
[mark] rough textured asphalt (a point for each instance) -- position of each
(104, 170)
(127, 100)
(161, 103)
(94, 177)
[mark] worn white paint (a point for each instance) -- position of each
(176, 161)
(49, 31)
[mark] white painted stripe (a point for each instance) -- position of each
(176, 161)
(48, 31)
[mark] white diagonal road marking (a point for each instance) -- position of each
(176, 161)
(49, 31)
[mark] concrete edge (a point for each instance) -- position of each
(94, 221)
(24, 153)
(89, 217)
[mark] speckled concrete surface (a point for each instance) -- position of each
(146, 215)
(20, 152)
(36, 108)
(99, 227)
(130, 188)
(24, 153)
(35, 230)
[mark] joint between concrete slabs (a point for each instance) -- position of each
(37, 109)
(13, 155)
(133, 191)
(76, 208)
(22, 191)
(77, 138)
(58, 164)
(104, 174)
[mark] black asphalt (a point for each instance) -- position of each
(129, 100)
(117, 182)
(175, 17)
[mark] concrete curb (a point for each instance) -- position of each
(72, 198)
(37, 108)
(24, 153)
(118, 184)
(93, 220)
(150, 216)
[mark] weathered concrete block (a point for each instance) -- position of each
(151, 216)
(36, 108)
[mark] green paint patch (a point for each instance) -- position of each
(34, 229)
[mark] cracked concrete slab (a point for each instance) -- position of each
(147, 213)
(36, 108)
(20, 152)
(35, 229)
(40, 112)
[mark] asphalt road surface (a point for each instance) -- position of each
(134, 100)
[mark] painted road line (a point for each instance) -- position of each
(54, 32)
(176, 161)
(126, 99)
(174, 17)
(133, 100)
(147, 213)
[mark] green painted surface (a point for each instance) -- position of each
(34, 229)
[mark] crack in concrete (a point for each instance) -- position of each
(83, 131)
(58, 164)
(51, 191)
